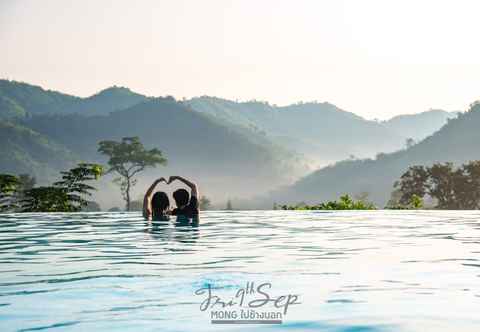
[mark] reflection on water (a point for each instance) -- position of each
(354, 271)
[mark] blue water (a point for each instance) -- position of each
(352, 271)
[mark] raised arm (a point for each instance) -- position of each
(191, 185)
(147, 200)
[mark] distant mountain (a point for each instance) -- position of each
(231, 160)
(19, 99)
(320, 131)
(26, 151)
(233, 148)
(457, 142)
(420, 125)
(106, 101)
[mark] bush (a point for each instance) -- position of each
(344, 203)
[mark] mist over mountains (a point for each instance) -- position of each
(322, 132)
(455, 142)
(419, 126)
(232, 149)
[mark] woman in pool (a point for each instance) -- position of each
(156, 207)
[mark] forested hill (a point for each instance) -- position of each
(106, 101)
(457, 142)
(18, 100)
(234, 148)
(318, 130)
(26, 151)
(234, 160)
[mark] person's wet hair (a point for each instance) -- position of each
(181, 197)
(160, 203)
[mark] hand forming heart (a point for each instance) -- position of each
(171, 179)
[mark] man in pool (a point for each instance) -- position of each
(187, 204)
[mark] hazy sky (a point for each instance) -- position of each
(374, 58)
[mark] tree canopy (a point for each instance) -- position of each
(452, 188)
(19, 194)
(128, 158)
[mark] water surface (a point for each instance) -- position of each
(352, 271)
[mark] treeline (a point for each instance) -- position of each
(450, 187)
(19, 193)
(443, 185)
(344, 203)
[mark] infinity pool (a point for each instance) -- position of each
(343, 271)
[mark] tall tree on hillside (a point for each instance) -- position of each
(128, 158)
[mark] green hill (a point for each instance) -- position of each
(106, 101)
(230, 159)
(233, 148)
(320, 131)
(457, 142)
(26, 151)
(18, 99)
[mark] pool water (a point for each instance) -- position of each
(350, 271)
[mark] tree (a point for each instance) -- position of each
(205, 203)
(469, 191)
(128, 158)
(8, 187)
(452, 188)
(412, 182)
(46, 199)
(416, 202)
(229, 205)
(344, 203)
(73, 185)
(443, 178)
(24, 182)
(68, 195)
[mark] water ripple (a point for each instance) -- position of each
(355, 271)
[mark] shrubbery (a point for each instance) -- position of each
(344, 203)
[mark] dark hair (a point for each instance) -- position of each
(181, 197)
(160, 203)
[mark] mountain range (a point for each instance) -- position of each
(455, 142)
(235, 149)
(419, 126)
(322, 132)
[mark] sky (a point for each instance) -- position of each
(376, 58)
